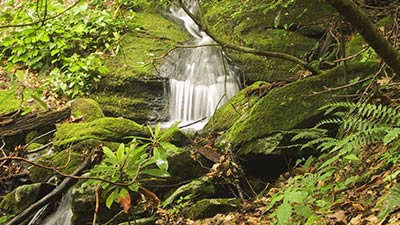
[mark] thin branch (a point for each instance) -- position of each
(330, 89)
(41, 20)
(254, 51)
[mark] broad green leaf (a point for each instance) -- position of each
(161, 158)
(107, 151)
(123, 193)
(170, 131)
(296, 196)
(156, 173)
(351, 157)
(283, 213)
(120, 152)
(276, 198)
(111, 198)
(169, 147)
(134, 187)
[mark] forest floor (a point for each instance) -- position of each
(361, 191)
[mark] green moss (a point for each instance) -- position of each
(139, 49)
(286, 107)
(65, 161)
(103, 129)
(89, 109)
(8, 101)
(238, 105)
(210, 207)
(265, 26)
(20, 198)
(279, 40)
(134, 107)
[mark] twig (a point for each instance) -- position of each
(40, 136)
(53, 195)
(352, 56)
(39, 148)
(327, 89)
(190, 124)
(41, 20)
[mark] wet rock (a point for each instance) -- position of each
(24, 196)
(210, 207)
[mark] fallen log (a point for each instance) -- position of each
(14, 124)
(56, 194)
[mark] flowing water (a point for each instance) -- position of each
(200, 76)
(61, 216)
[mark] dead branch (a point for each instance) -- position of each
(52, 196)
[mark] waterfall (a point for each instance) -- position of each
(200, 76)
(63, 214)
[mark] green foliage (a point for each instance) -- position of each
(358, 124)
(125, 168)
(390, 202)
(66, 44)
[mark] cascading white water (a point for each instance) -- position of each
(63, 214)
(200, 77)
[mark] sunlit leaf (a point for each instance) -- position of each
(156, 173)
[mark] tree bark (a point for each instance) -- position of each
(12, 125)
(349, 10)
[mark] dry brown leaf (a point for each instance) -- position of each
(339, 216)
(358, 206)
(125, 203)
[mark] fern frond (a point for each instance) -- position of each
(329, 121)
(391, 202)
(312, 133)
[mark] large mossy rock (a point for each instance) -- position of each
(64, 161)
(86, 108)
(284, 108)
(133, 88)
(206, 208)
(103, 129)
(8, 101)
(269, 26)
(238, 105)
(23, 196)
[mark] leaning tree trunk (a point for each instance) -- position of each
(349, 10)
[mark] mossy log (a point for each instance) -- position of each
(14, 123)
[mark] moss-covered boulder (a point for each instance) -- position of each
(86, 108)
(284, 108)
(103, 129)
(236, 107)
(199, 188)
(270, 26)
(23, 196)
(210, 207)
(133, 88)
(8, 101)
(65, 161)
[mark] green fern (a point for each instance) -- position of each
(359, 124)
(391, 202)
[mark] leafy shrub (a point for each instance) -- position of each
(125, 168)
(65, 42)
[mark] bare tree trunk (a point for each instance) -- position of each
(349, 10)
